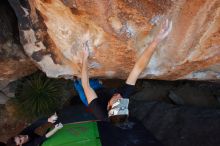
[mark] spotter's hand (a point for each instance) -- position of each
(53, 118)
(59, 126)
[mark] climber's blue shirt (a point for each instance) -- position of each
(94, 83)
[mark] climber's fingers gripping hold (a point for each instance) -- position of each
(85, 51)
(165, 29)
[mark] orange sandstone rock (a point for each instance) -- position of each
(52, 33)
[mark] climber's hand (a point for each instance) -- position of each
(165, 29)
(85, 51)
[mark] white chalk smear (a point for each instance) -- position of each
(25, 11)
(94, 64)
(110, 73)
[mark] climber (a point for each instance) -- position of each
(113, 104)
(36, 133)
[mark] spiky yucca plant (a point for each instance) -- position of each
(38, 95)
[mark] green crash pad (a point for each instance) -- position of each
(75, 134)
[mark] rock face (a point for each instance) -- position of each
(14, 63)
(52, 33)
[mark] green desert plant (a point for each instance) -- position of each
(38, 96)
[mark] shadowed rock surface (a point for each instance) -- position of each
(52, 33)
(179, 125)
(14, 64)
(195, 123)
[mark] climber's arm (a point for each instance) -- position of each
(141, 64)
(89, 92)
(144, 59)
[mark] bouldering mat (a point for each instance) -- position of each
(76, 134)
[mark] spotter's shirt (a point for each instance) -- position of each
(34, 138)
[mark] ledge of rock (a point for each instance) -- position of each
(14, 63)
(52, 33)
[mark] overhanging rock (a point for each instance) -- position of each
(14, 64)
(53, 32)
